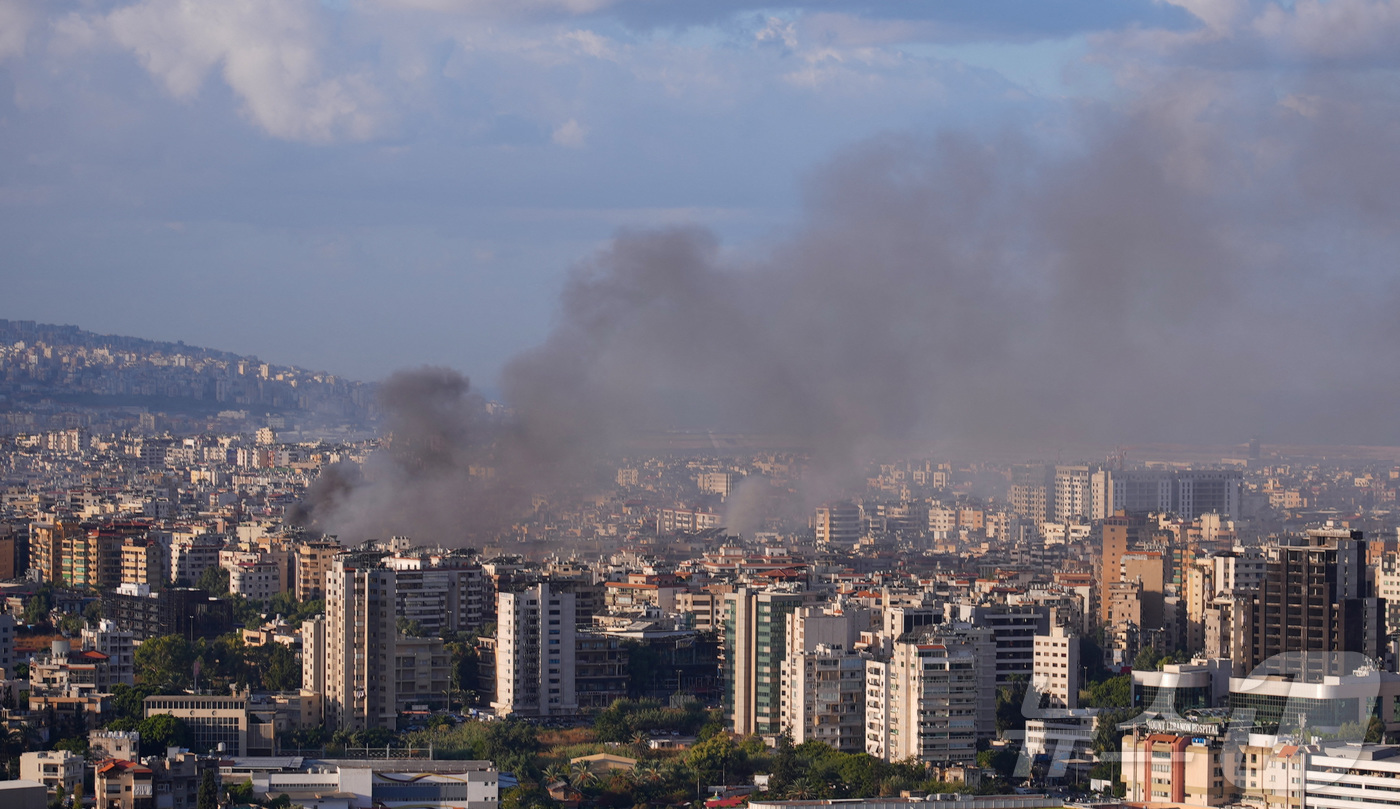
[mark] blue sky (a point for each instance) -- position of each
(364, 185)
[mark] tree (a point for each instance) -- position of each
(165, 662)
(208, 792)
(1010, 715)
(160, 731)
(36, 609)
(1115, 692)
(214, 581)
(239, 793)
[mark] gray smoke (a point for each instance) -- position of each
(1154, 275)
(995, 294)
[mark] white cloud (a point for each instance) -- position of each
(268, 51)
(16, 18)
(571, 134)
(1337, 29)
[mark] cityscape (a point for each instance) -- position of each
(699, 404)
(180, 627)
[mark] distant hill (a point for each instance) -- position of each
(47, 368)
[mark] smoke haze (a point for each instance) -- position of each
(1216, 262)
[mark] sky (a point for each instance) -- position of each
(1190, 200)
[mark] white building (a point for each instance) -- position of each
(361, 633)
(535, 653)
(823, 698)
(255, 581)
(118, 645)
(1055, 669)
(191, 555)
(53, 769)
(933, 698)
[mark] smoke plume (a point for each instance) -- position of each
(1212, 260)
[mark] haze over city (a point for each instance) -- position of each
(972, 222)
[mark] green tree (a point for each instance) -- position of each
(239, 793)
(38, 606)
(160, 731)
(208, 792)
(1115, 692)
(1010, 716)
(281, 671)
(165, 662)
(1146, 659)
(214, 581)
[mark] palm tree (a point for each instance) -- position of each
(640, 740)
(581, 776)
(555, 772)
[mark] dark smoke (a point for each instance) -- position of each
(1188, 270)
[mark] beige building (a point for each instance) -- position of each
(361, 634)
(933, 698)
(313, 562)
(53, 769)
(216, 723)
(1177, 762)
(1055, 669)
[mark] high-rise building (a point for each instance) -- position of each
(823, 698)
(1056, 672)
(1072, 493)
(1013, 627)
(838, 523)
(1186, 493)
(1032, 492)
(1116, 531)
(119, 646)
(754, 643)
(535, 653)
(933, 698)
(313, 562)
(360, 687)
(1314, 597)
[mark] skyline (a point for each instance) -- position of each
(1191, 196)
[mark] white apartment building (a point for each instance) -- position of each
(361, 633)
(1055, 669)
(118, 645)
(191, 555)
(823, 698)
(535, 653)
(933, 698)
(53, 769)
(255, 581)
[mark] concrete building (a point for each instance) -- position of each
(535, 653)
(21, 794)
(1056, 672)
(255, 581)
(754, 643)
(933, 698)
(118, 645)
(313, 654)
(217, 723)
(53, 769)
(192, 554)
(1014, 627)
(361, 635)
(1314, 599)
(313, 562)
(1072, 494)
(422, 674)
(838, 524)
(823, 697)
(1177, 762)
